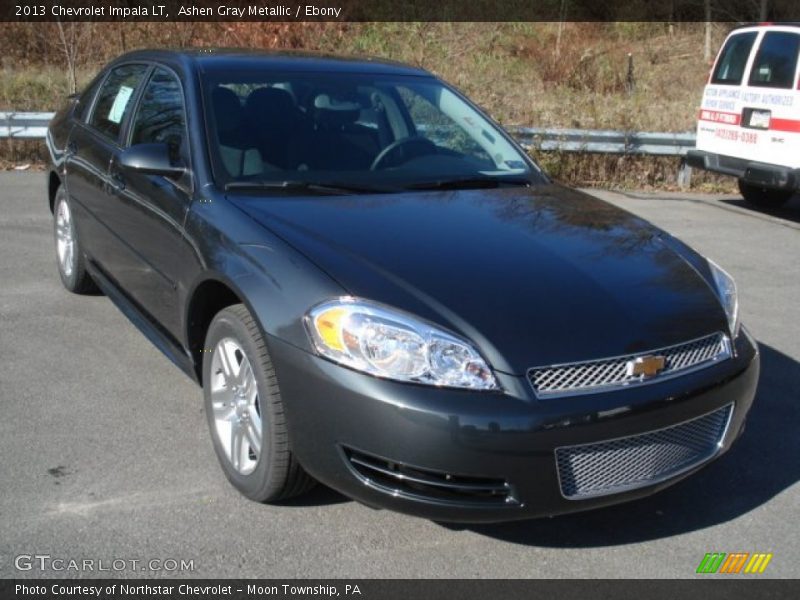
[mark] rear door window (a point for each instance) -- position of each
(86, 98)
(115, 100)
(160, 117)
(775, 63)
(733, 59)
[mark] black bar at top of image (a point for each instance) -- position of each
(711, 588)
(397, 10)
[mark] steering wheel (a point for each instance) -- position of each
(401, 151)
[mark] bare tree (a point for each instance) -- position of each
(707, 44)
(72, 39)
(123, 42)
(184, 33)
(562, 15)
(747, 10)
(671, 25)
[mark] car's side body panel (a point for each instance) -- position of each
(274, 280)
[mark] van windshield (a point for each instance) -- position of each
(356, 131)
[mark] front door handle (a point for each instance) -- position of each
(118, 181)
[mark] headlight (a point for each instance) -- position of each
(388, 343)
(726, 289)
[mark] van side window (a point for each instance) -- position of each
(733, 59)
(776, 60)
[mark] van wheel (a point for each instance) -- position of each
(245, 411)
(762, 196)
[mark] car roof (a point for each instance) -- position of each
(272, 60)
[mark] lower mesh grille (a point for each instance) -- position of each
(626, 463)
(405, 480)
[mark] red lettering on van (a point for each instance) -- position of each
(716, 116)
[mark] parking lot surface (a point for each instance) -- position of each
(106, 454)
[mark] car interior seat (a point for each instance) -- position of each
(336, 141)
(238, 157)
(272, 118)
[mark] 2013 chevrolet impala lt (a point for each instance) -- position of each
(378, 289)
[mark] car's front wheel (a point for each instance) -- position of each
(245, 411)
(71, 262)
(762, 196)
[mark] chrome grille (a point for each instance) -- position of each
(594, 375)
(617, 465)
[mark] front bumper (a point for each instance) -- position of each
(753, 172)
(478, 439)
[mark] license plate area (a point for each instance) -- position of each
(756, 118)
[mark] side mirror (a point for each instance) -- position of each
(153, 159)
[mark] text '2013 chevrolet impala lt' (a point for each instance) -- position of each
(378, 289)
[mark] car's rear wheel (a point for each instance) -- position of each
(762, 196)
(69, 255)
(245, 411)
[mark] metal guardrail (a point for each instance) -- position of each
(33, 125)
(603, 141)
(24, 125)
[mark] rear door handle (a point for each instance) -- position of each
(72, 148)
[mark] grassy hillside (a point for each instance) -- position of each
(539, 74)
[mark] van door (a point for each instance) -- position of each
(770, 113)
(720, 113)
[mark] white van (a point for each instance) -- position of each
(749, 121)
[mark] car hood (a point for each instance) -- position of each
(534, 276)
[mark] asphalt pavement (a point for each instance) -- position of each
(106, 454)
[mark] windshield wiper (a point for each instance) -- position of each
(306, 186)
(464, 183)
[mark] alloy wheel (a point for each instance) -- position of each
(65, 239)
(236, 409)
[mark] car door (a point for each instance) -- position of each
(149, 210)
(93, 141)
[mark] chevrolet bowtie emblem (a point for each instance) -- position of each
(645, 366)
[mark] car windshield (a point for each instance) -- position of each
(352, 133)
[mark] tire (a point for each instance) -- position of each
(69, 254)
(764, 197)
(245, 414)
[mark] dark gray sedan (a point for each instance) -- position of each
(378, 289)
